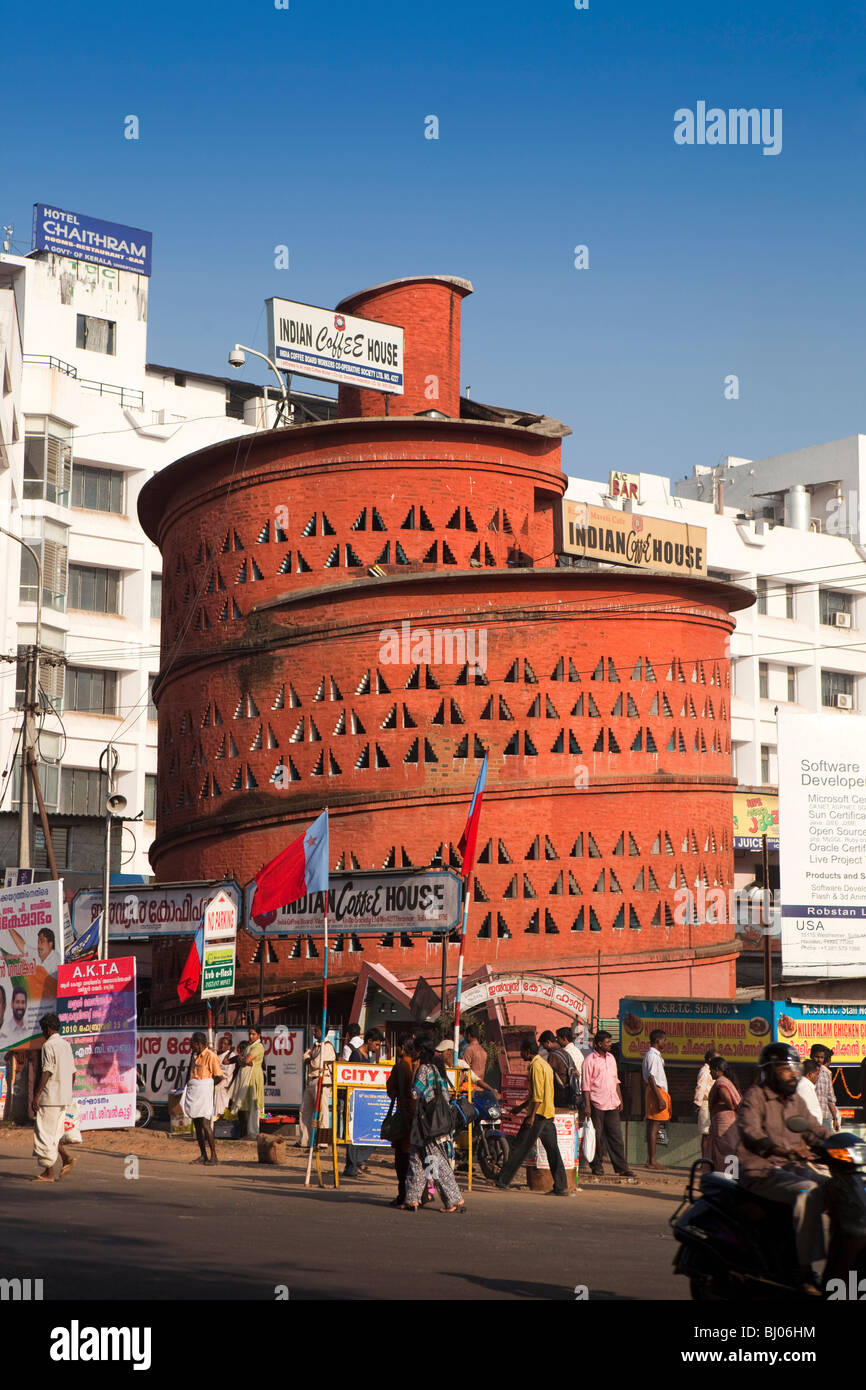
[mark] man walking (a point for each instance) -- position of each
(657, 1098)
(52, 1097)
(317, 1057)
(602, 1099)
(538, 1124)
(824, 1086)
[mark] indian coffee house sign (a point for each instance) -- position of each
(369, 904)
(629, 538)
(88, 239)
(335, 347)
(529, 989)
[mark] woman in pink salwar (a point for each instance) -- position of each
(724, 1102)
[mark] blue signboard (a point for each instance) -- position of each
(89, 239)
(367, 1110)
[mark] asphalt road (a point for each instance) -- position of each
(240, 1230)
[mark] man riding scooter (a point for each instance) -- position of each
(774, 1162)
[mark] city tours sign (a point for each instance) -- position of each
(629, 538)
(822, 796)
(335, 347)
(369, 904)
(89, 239)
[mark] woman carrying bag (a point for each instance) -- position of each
(395, 1127)
(430, 1131)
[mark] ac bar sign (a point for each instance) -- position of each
(335, 347)
(627, 538)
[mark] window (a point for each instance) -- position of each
(90, 691)
(81, 792)
(762, 595)
(59, 843)
(47, 459)
(832, 602)
(156, 595)
(792, 685)
(94, 590)
(837, 686)
(96, 335)
(765, 764)
(789, 601)
(97, 489)
(149, 796)
(50, 544)
(763, 680)
(48, 783)
(151, 707)
(179, 379)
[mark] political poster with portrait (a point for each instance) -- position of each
(31, 949)
(96, 1007)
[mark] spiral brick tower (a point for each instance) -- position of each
(307, 574)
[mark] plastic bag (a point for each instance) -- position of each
(587, 1138)
(71, 1124)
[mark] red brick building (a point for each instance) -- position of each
(289, 682)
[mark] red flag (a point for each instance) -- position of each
(299, 869)
(470, 835)
(191, 973)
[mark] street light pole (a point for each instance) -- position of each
(236, 359)
(31, 709)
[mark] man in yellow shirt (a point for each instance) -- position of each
(539, 1123)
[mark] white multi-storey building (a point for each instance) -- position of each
(803, 642)
(84, 422)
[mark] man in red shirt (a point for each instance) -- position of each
(602, 1099)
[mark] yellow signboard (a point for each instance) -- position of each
(628, 538)
(755, 814)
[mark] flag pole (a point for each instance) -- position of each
(467, 845)
(314, 1133)
(460, 967)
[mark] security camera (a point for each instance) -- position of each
(116, 804)
(236, 357)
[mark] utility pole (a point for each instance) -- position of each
(31, 710)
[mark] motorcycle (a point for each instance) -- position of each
(735, 1245)
(489, 1144)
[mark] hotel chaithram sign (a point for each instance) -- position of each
(629, 538)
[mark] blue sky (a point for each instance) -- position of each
(305, 126)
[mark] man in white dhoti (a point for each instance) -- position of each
(52, 1097)
(316, 1058)
(198, 1096)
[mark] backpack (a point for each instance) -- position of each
(568, 1093)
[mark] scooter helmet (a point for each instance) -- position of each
(778, 1054)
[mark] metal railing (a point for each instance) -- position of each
(126, 395)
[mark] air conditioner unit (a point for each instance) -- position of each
(844, 701)
(842, 619)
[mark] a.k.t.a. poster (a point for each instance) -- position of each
(96, 1007)
(31, 946)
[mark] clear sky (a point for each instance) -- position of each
(305, 127)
